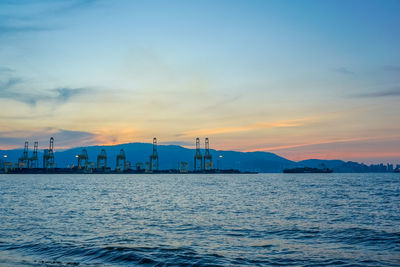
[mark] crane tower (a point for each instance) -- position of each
(207, 163)
(154, 163)
(121, 158)
(23, 161)
(48, 157)
(102, 160)
(34, 161)
(83, 160)
(198, 157)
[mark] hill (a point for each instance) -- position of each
(171, 155)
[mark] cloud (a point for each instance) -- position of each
(62, 138)
(71, 6)
(11, 82)
(250, 127)
(64, 94)
(8, 90)
(226, 101)
(177, 143)
(6, 70)
(11, 141)
(32, 16)
(15, 24)
(391, 92)
(391, 68)
(344, 70)
(322, 142)
(66, 138)
(6, 29)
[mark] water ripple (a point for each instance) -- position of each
(200, 220)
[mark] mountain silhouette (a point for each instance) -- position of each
(171, 155)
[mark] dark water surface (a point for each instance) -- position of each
(263, 219)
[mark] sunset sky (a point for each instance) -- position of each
(302, 79)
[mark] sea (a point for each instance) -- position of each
(333, 219)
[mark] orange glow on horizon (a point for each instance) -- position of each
(308, 144)
(251, 127)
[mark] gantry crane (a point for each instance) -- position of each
(207, 161)
(34, 160)
(83, 160)
(198, 157)
(121, 157)
(154, 157)
(23, 161)
(48, 157)
(102, 160)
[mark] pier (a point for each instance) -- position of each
(30, 164)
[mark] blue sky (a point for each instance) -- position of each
(303, 79)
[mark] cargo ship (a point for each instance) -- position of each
(307, 170)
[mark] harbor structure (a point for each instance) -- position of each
(198, 158)
(28, 164)
(34, 159)
(154, 160)
(83, 160)
(23, 161)
(207, 161)
(102, 160)
(48, 157)
(121, 162)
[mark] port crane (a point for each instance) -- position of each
(48, 157)
(102, 160)
(23, 161)
(198, 157)
(83, 160)
(207, 162)
(121, 158)
(154, 157)
(34, 160)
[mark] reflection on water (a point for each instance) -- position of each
(117, 220)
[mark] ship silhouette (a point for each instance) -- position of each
(323, 169)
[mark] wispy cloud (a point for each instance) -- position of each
(391, 68)
(32, 16)
(343, 70)
(250, 127)
(322, 142)
(10, 83)
(7, 29)
(66, 138)
(9, 90)
(63, 138)
(177, 143)
(64, 94)
(226, 101)
(391, 92)
(6, 70)
(70, 6)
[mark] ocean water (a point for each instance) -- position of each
(201, 220)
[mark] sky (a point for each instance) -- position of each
(302, 79)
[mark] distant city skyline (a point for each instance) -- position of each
(301, 79)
